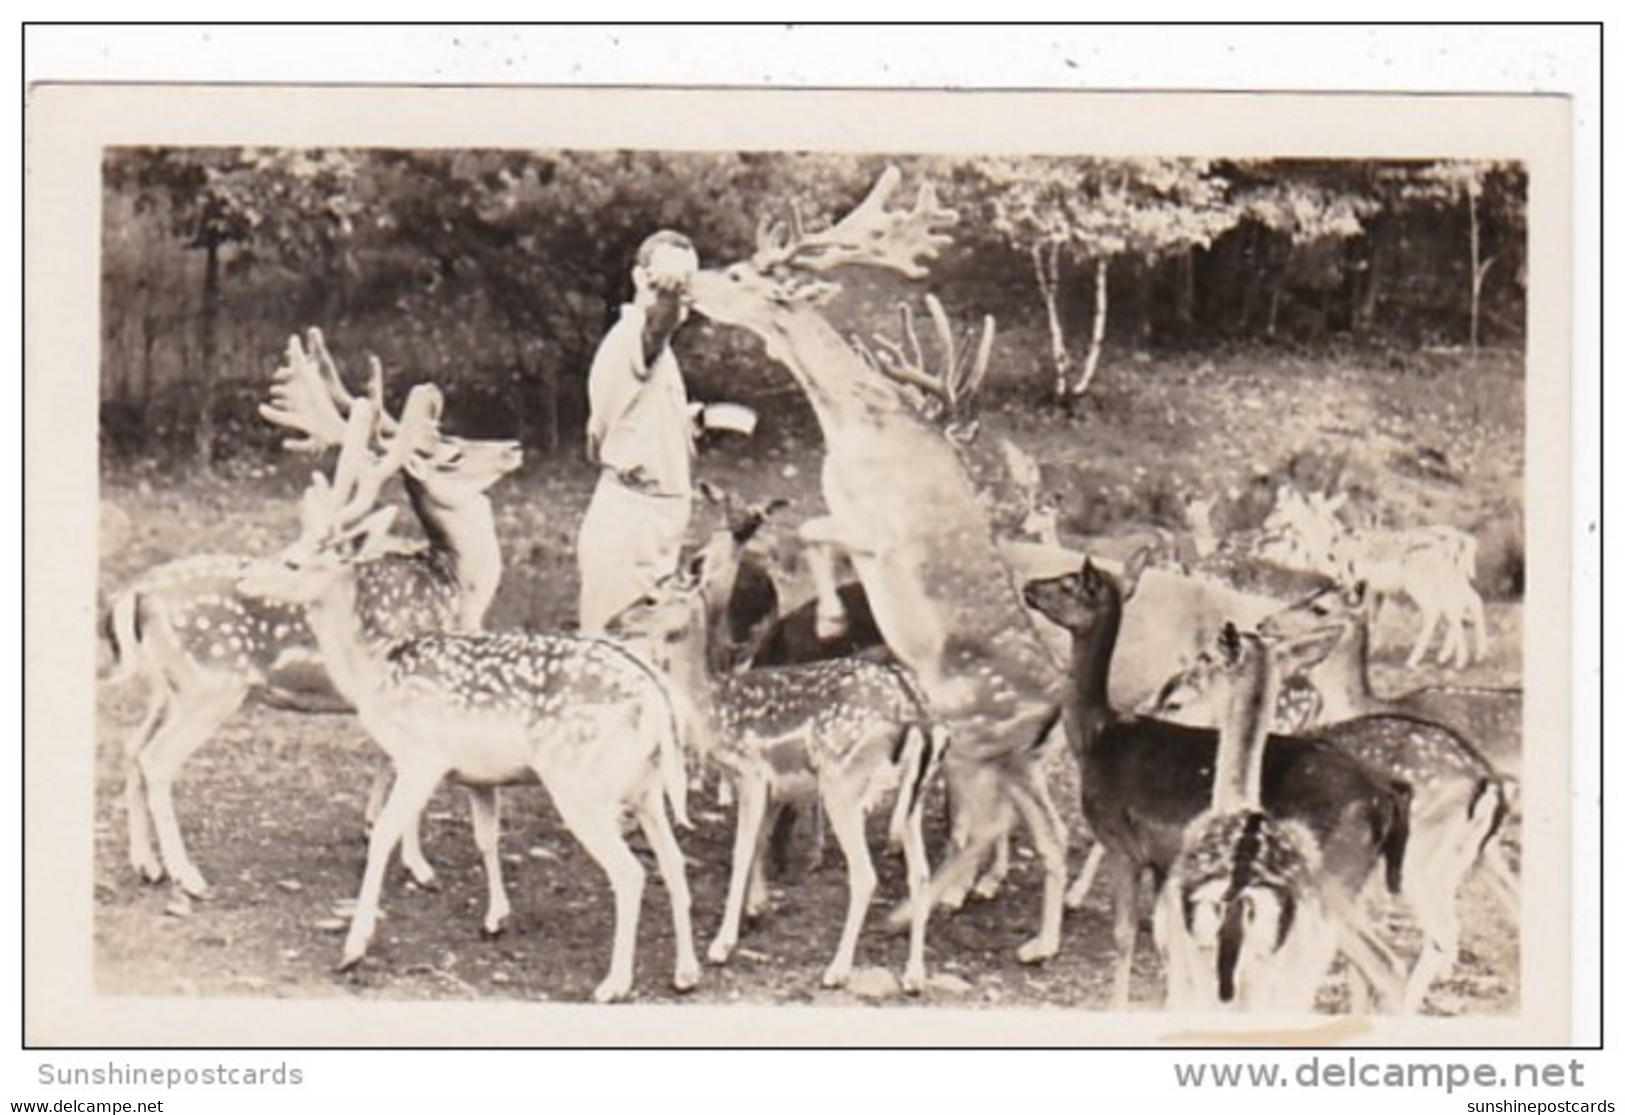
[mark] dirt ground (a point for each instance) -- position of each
(272, 808)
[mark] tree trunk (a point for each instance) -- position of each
(1185, 289)
(1047, 268)
(1479, 269)
(208, 351)
(1365, 310)
(1097, 333)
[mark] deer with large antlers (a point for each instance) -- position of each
(597, 726)
(204, 648)
(902, 506)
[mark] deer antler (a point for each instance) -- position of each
(896, 239)
(308, 396)
(327, 508)
(960, 372)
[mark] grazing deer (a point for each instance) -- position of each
(592, 722)
(204, 648)
(1242, 920)
(1432, 566)
(1143, 781)
(903, 508)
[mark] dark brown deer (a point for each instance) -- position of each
(1143, 781)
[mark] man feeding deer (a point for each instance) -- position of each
(641, 435)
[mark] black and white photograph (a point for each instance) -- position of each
(1038, 567)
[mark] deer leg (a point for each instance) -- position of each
(1480, 624)
(830, 618)
(414, 786)
(1431, 617)
(846, 820)
(1031, 795)
(757, 896)
(595, 823)
(1078, 892)
(1182, 975)
(485, 810)
(412, 858)
(417, 865)
(753, 795)
(1125, 927)
(1434, 904)
(977, 802)
(194, 719)
(1497, 875)
(142, 856)
(1370, 956)
(918, 869)
(955, 874)
(669, 857)
(992, 880)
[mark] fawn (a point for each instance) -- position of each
(597, 726)
(850, 730)
(1241, 920)
(1144, 780)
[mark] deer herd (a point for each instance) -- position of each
(1242, 784)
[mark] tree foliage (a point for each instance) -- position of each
(496, 271)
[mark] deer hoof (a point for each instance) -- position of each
(1036, 951)
(687, 977)
(612, 990)
(192, 884)
(836, 977)
(719, 951)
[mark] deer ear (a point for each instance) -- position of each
(1135, 568)
(1354, 595)
(1308, 651)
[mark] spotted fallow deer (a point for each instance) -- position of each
(600, 728)
(904, 509)
(204, 649)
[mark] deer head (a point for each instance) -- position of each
(782, 272)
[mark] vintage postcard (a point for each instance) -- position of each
(1057, 568)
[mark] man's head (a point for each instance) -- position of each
(665, 263)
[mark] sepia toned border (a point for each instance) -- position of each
(68, 127)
